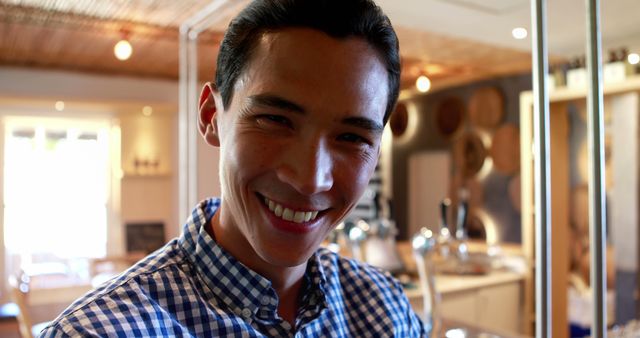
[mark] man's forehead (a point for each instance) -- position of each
(278, 45)
(305, 37)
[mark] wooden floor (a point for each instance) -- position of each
(39, 314)
(8, 321)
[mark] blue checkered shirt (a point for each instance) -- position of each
(191, 287)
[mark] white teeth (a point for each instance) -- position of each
(278, 210)
(290, 215)
(298, 217)
(287, 214)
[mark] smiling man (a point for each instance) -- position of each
(302, 93)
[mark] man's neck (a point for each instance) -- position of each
(286, 281)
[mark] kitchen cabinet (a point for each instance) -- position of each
(492, 302)
(499, 307)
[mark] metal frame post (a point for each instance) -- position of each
(187, 116)
(597, 197)
(542, 175)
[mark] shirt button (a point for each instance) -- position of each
(246, 313)
(265, 300)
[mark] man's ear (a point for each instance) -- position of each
(208, 114)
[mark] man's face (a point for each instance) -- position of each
(298, 142)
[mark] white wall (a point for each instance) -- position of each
(34, 92)
(36, 83)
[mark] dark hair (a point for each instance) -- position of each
(337, 18)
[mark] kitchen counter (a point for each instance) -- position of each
(454, 283)
(453, 328)
(493, 302)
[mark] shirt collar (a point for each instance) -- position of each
(230, 281)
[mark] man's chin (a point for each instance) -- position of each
(287, 259)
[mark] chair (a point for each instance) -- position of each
(103, 269)
(19, 293)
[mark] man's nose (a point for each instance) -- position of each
(308, 167)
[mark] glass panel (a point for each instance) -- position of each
(567, 36)
(621, 46)
(454, 142)
(568, 84)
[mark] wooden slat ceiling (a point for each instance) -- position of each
(452, 61)
(164, 13)
(79, 35)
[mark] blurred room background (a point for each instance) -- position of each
(89, 134)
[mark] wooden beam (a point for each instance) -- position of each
(560, 233)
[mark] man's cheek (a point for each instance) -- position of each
(358, 181)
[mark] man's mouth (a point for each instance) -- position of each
(297, 216)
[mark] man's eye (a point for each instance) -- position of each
(274, 119)
(353, 138)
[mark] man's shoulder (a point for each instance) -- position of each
(130, 292)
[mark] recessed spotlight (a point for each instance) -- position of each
(147, 110)
(59, 105)
(633, 58)
(519, 33)
(123, 50)
(423, 84)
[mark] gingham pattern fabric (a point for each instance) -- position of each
(193, 288)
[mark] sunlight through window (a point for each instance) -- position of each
(56, 192)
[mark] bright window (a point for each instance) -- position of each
(56, 192)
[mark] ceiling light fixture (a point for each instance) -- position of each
(147, 111)
(633, 58)
(423, 84)
(123, 50)
(59, 105)
(519, 33)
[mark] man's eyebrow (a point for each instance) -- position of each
(275, 101)
(364, 123)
